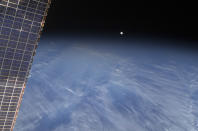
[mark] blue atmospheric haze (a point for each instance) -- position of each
(102, 86)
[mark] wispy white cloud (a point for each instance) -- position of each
(84, 89)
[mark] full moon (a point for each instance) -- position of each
(121, 33)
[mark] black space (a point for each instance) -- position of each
(142, 17)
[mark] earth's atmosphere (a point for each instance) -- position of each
(93, 86)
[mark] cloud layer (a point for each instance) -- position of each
(87, 88)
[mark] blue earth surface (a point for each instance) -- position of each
(106, 85)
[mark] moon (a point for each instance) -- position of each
(121, 33)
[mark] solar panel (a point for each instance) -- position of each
(21, 22)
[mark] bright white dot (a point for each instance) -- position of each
(121, 33)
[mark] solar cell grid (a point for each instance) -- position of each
(20, 24)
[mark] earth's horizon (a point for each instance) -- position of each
(95, 86)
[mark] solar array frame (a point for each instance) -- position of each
(21, 23)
